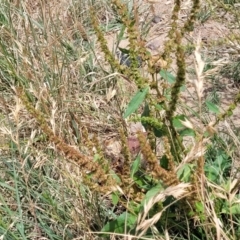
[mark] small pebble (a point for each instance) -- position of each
(156, 19)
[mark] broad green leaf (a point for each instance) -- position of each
(187, 132)
(96, 157)
(212, 107)
(182, 130)
(199, 207)
(177, 121)
(135, 166)
(235, 209)
(124, 222)
(136, 101)
(184, 173)
(216, 170)
(152, 193)
(167, 76)
(212, 173)
(115, 198)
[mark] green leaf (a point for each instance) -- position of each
(142, 180)
(20, 228)
(184, 173)
(136, 101)
(115, 176)
(219, 168)
(199, 207)
(13, 146)
(135, 166)
(187, 132)
(5, 185)
(96, 157)
(152, 193)
(124, 222)
(120, 36)
(212, 107)
(212, 173)
(177, 121)
(164, 162)
(160, 106)
(115, 198)
(160, 132)
(124, 50)
(167, 76)
(235, 209)
(182, 130)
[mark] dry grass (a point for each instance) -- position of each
(62, 107)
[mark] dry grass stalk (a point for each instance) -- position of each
(178, 192)
(83, 161)
(199, 66)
